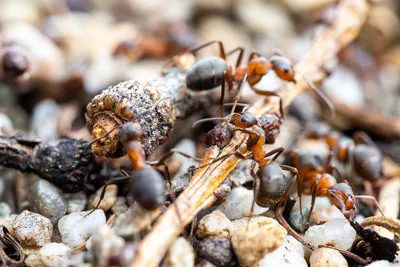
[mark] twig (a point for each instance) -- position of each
(351, 15)
(374, 122)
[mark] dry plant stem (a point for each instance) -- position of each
(351, 15)
(376, 123)
(390, 224)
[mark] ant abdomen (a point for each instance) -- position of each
(367, 161)
(206, 74)
(273, 184)
(148, 188)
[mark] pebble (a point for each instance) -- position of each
(327, 257)
(5, 210)
(119, 206)
(238, 204)
(215, 223)
(252, 241)
(104, 243)
(76, 202)
(382, 263)
(33, 260)
(32, 229)
(46, 110)
(337, 233)
(8, 222)
(110, 197)
(180, 254)
(57, 254)
(216, 249)
(6, 123)
(46, 199)
(278, 25)
(75, 228)
(290, 254)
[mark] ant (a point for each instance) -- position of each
(211, 72)
(147, 187)
(318, 180)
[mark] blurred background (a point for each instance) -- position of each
(66, 51)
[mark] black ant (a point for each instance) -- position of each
(211, 72)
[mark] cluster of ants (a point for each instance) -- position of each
(271, 187)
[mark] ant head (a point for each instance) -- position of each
(259, 66)
(244, 120)
(283, 68)
(130, 131)
(342, 195)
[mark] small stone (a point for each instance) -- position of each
(382, 263)
(5, 122)
(327, 257)
(252, 240)
(46, 199)
(46, 110)
(33, 260)
(76, 202)
(32, 229)
(52, 254)
(119, 206)
(77, 227)
(7, 222)
(216, 249)
(29, 250)
(180, 254)
(290, 254)
(215, 223)
(104, 244)
(337, 233)
(5, 210)
(109, 199)
(200, 262)
(238, 204)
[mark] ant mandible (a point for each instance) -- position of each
(211, 72)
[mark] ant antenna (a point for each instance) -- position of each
(208, 119)
(321, 94)
(240, 86)
(99, 138)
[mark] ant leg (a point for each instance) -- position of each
(236, 154)
(269, 93)
(330, 168)
(256, 189)
(103, 191)
(276, 151)
(240, 57)
(321, 94)
(169, 154)
(221, 48)
(363, 138)
(237, 97)
(298, 182)
(314, 189)
(252, 55)
(371, 198)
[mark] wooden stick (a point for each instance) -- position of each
(351, 16)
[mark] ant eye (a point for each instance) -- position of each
(286, 70)
(244, 119)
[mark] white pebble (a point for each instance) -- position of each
(323, 210)
(109, 199)
(327, 257)
(53, 254)
(32, 229)
(5, 123)
(337, 233)
(215, 223)
(290, 254)
(104, 243)
(180, 254)
(75, 228)
(238, 204)
(381, 263)
(33, 260)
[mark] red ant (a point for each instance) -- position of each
(211, 72)
(318, 181)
